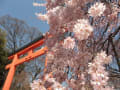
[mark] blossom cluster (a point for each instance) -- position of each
(82, 29)
(38, 4)
(69, 43)
(39, 84)
(74, 16)
(50, 15)
(70, 2)
(97, 71)
(97, 9)
(42, 17)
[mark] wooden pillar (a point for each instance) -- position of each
(45, 66)
(10, 75)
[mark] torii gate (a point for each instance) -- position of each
(16, 60)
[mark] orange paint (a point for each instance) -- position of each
(31, 55)
(45, 65)
(49, 88)
(10, 74)
(17, 61)
(33, 46)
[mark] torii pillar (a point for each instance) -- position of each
(17, 61)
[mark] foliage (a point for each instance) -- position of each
(20, 82)
(18, 33)
(3, 57)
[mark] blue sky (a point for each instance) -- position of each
(24, 10)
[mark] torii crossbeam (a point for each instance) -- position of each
(17, 60)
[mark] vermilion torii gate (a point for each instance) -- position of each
(17, 60)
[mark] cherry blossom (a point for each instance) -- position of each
(77, 38)
(97, 9)
(98, 74)
(69, 43)
(43, 17)
(82, 29)
(39, 4)
(50, 55)
(37, 85)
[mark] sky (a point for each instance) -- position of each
(24, 10)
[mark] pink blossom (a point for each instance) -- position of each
(71, 14)
(97, 71)
(103, 58)
(43, 17)
(69, 43)
(82, 29)
(39, 4)
(37, 85)
(70, 2)
(97, 9)
(50, 55)
(54, 10)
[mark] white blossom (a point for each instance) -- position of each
(43, 17)
(70, 2)
(69, 43)
(53, 1)
(97, 71)
(37, 85)
(50, 55)
(67, 15)
(97, 9)
(82, 29)
(39, 4)
(54, 10)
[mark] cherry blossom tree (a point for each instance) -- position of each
(84, 34)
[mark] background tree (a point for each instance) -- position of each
(18, 34)
(3, 57)
(21, 82)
